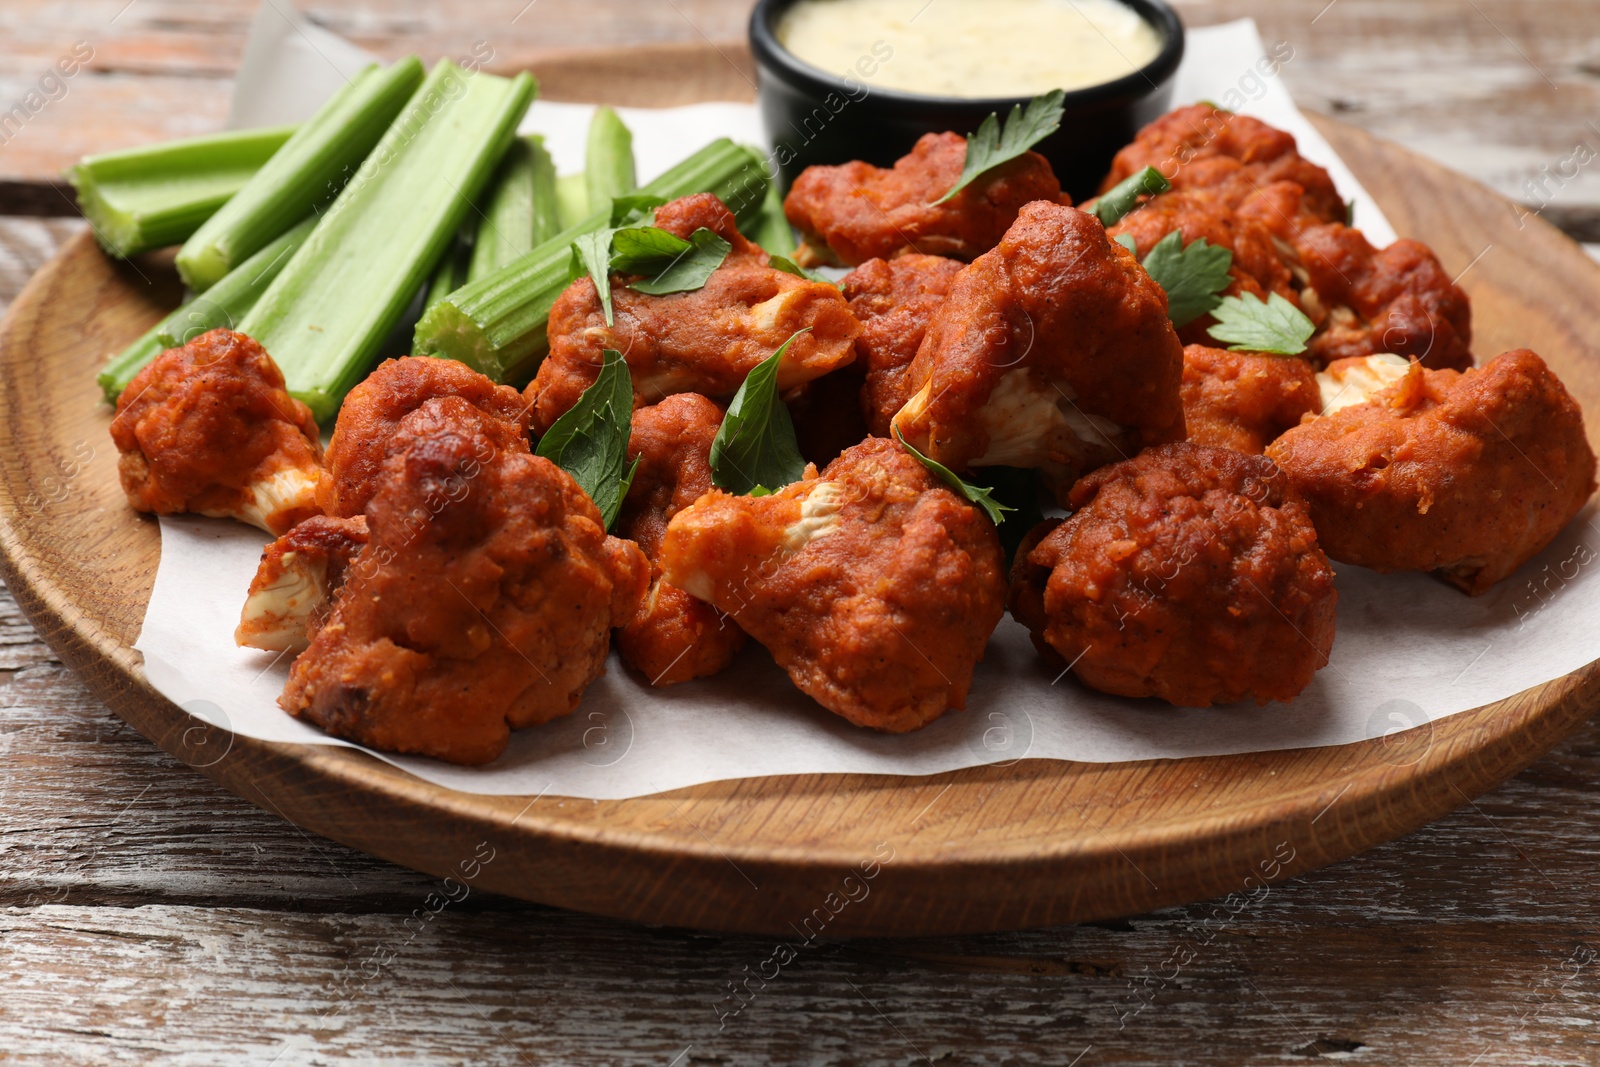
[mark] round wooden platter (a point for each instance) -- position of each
(990, 848)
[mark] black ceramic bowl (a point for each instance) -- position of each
(816, 117)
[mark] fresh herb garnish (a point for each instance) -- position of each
(634, 209)
(972, 494)
(591, 255)
(1124, 196)
(789, 266)
(674, 265)
(1350, 212)
(992, 145)
(590, 442)
(1273, 326)
(755, 451)
(1193, 276)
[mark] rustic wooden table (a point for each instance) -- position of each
(147, 915)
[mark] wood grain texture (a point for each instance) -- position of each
(1498, 89)
(987, 848)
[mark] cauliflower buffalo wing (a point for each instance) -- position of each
(373, 409)
(873, 585)
(1467, 474)
(1367, 300)
(1235, 156)
(1053, 352)
(894, 300)
(482, 602)
(1258, 266)
(209, 429)
(851, 213)
(294, 585)
(704, 341)
(673, 637)
(1188, 573)
(1243, 400)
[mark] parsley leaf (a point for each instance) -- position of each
(1126, 241)
(1123, 197)
(685, 269)
(754, 451)
(972, 494)
(590, 442)
(591, 255)
(992, 145)
(789, 266)
(1273, 326)
(1193, 276)
(634, 209)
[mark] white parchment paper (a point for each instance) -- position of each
(1409, 649)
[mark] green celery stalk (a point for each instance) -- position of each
(505, 226)
(222, 305)
(572, 199)
(546, 208)
(772, 229)
(609, 170)
(137, 199)
(450, 274)
(309, 170)
(326, 316)
(496, 325)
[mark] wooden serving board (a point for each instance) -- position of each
(989, 848)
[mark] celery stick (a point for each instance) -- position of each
(137, 199)
(326, 316)
(450, 274)
(505, 226)
(221, 306)
(608, 164)
(546, 209)
(572, 200)
(772, 229)
(496, 325)
(309, 170)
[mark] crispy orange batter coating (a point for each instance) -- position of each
(704, 341)
(292, 592)
(1465, 474)
(1365, 300)
(374, 408)
(1053, 352)
(873, 585)
(1258, 266)
(851, 213)
(1202, 147)
(483, 601)
(1243, 400)
(208, 429)
(894, 300)
(673, 637)
(1188, 573)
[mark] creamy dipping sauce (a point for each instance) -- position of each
(971, 48)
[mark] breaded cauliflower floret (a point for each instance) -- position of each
(1188, 573)
(1258, 266)
(295, 582)
(373, 409)
(894, 299)
(703, 341)
(1244, 400)
(854, 212)
(1053, 352)
(483, 601)
(1203, 147)
(673, 637)
(1367, 300)
(873, 585)
(209, 429)
(1467, 474)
